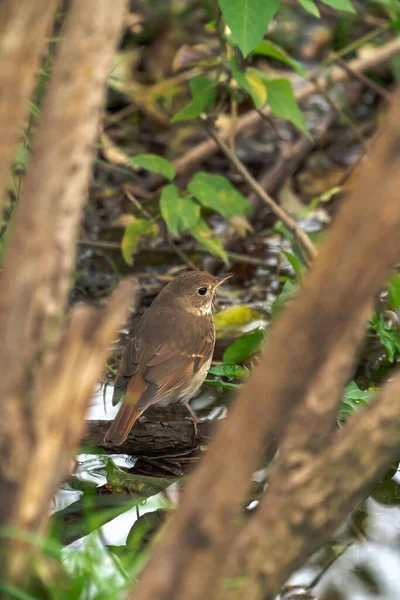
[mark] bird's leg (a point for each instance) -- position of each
(194, 418)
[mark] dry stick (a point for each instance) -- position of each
(380, 55)
(200, 533)
(23, 26)
(235, 256)
(378, 89)
(40, 256)
(321, 494)
(301, 236)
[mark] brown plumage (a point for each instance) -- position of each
(169, 355)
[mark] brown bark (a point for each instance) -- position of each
(46, 378)
(365, 232)
(23, 26)
(302, 508)
(152, 438)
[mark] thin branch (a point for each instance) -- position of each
(301, 236)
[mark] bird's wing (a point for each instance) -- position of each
(129, 367)
(171, 368)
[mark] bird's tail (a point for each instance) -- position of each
(122, 424)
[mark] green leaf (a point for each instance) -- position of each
(248, 20)
(244, 347)
(344, 5)
(179, 213)
(155, 164)
(225, 385)
(394, 291)
(203, 234)
(352, 399)
(136, 230)
(216, 192)
(296, 264)
(250, 81)
(230, 370)
(142, 486)
(310, 7)
(284, 104)
(267, 48)
(203, 92)
(235, 316)
(388, 337)
(287, 293)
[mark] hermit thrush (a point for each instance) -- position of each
(169, 355)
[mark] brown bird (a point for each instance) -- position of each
(170, 353)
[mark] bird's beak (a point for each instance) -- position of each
(221, 279)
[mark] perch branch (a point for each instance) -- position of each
(151, 438)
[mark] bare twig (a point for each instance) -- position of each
(301, 236)
(370, 83)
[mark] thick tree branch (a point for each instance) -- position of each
(366, 230)
(303, 508)
(23, 26)
(46, 378)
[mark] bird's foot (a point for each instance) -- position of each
(142, 421)
(194, 419)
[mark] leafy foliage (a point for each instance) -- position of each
(217, 193)
(135, 231)
(179, 212)
(230, 370)
(353, 399)
(388, 336)
(155, 163)
(203, 234)
(244, 347)
(203, 92)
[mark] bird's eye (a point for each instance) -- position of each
(202, 291)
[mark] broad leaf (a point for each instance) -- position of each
(244, 347)
(352, 399)
(310, 7)
(389, 337)
(230, 370)
(287, 293)
(216, 192)
(295, 263)
(344, 5)
(155, 164)
(143, 486)
(225, 385)
(284, 104)
(267, 48)
(136, 230)
(248, 20)
(250, 81)
(235, 316)
(179, 213)
(203, 92)
(207, 238)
